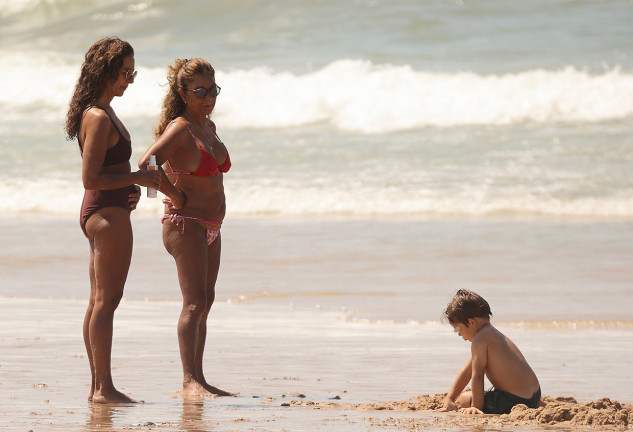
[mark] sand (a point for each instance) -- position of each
(295, 412)
(565, 411)
(293, 370)
(275, 339)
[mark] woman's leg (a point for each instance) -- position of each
(111, 233)
(190, 252)
(213, 267)
(86, 327)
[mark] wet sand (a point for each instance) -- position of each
(338, 312)
(293, 369)
(603, 414)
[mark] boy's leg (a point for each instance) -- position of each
(465, 399)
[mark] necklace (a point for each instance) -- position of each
(208, 140)
(193, 122)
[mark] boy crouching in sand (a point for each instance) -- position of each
(492, 353)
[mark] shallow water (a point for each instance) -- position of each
(536, 271)
(322, 308)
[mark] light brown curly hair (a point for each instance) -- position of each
(181, 73)
(102, 65)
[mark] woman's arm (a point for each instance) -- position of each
(165, 147)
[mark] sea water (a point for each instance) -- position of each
(385, 154)
(359, 108)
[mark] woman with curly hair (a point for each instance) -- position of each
(194, 160)
(111, 194)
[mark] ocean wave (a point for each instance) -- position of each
(17, 7)
(63, 197)
(570, 324)
(357, 95)
(348, 94)
(49, 10)
(567, 325)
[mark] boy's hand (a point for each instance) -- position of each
(449, 405)
(470, 410)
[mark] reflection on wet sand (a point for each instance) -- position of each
(101, 418)
(192, 416)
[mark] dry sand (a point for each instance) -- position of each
(602, 414)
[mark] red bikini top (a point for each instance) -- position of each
(208, 164)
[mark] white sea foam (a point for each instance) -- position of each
(63, 197)
(15, 7)
(357, 96)
(351, 95)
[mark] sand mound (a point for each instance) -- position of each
(604, 412)
(418, 403)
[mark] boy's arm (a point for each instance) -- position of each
(460, 382)
(479, 351)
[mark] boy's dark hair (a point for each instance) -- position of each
(466, 304)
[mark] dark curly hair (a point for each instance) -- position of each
(466, 304)
(181, 73)
(102, 65)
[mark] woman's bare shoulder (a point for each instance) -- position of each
(176, 129)
(95, 121)
(175, 135)
(95, 114)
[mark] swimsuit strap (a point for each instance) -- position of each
(213, 130)
(108, 114)
(173, 172)
(212, 228)
(226, 165)
(195, 138)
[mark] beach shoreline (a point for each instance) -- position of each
(326, 308)
(294, 369)
(359, 265)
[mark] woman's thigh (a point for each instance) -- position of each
(111, 232)
(189, 249)
(213, 265)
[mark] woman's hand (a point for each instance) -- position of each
(149, 179)
(134, 197)
(177, 203)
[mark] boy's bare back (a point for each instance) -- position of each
(505, 366)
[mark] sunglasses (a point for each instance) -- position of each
(130, 74)
(201, 92)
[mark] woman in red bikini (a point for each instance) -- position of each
(111, 194)
(194, 160)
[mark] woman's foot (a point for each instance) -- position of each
(216, 391)
(92, 390)
(194, 389)
(111, 396)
